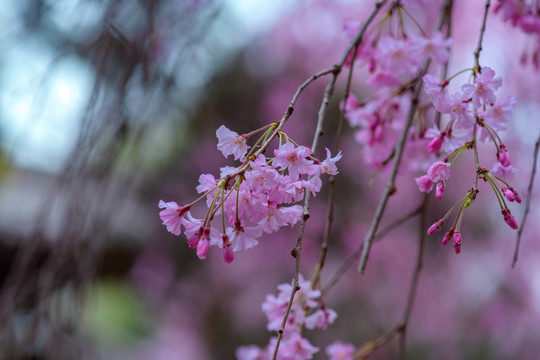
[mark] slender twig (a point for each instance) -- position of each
(528, 204)
(481, 38)
(475, 74)
(296, 252)
(390, 185)
(369, 348)
(446, 66)
(401, 328)
(332, 180)
(414, 282)
(354, 256)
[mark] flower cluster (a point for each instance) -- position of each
(254, 198)
(306, 311)
(473, 114)
(394, 61)
(524, 15)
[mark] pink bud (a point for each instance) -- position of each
(509, 218)
(228, 253)
(435, 227)
(436, 144)
(202, 248)
(457, 242)
(509, 194)
(447, 237)
(439, 190)
(504, 156)
(516, 195)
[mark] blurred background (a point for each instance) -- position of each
(108, 106)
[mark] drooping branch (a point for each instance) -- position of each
(296, 252)
(528, 203)
(398, 150)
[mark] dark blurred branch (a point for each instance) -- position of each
(528, 204)
(401, 328)
(354, 256)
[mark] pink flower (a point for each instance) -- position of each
(250, 352)
(243, 238)
(172, 215)
(499, 114)
(293, 158)
(320, 318)
(360, 114)
(276, 216)
(424, 183)
(458, 110)
(262, 177)
(483, 89)
(193, 229)
(397, 55)
(206, 183)
(439, 171)
(502, 171)
(230, 143)
(384, 78)
(509, 218)
(294, 347)
(438, 47)
(340, 351)
(328, 165)
(433, 87)
(449, 140)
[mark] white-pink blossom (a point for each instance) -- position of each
(230, 143)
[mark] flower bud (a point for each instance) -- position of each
(457, 242)
(447, 237)
(516, 195)
(435, 227)
(503, 156)
(228, 253)
(436, 144)
(202, 248)
(509, 194)
(439, 190)
(509, 218)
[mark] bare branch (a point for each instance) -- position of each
(528, 204)
(354, 257)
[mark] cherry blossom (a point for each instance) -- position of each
(483, 89)
(230, 143)
(172, 216)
